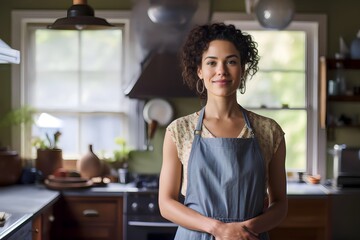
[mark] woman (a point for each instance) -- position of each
(228, 162)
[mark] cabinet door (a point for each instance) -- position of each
(97, 218)
(42, 225)
(307, 218)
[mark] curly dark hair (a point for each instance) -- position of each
(198, 42)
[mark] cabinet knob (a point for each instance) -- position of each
(90, 213)
(51, 218)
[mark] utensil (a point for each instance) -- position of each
(157, 112)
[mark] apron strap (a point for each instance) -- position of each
(247, 121)
(198, 128)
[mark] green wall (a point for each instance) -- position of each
(343, 20)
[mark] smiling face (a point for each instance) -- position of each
(221, 69)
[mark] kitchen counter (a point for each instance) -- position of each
(21, 203)
(28, 200)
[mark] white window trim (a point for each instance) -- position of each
(316, 155)
(20, 19)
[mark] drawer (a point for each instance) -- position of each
(92, 210)
(89, 232)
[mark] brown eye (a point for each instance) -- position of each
(232, 62)
(211, 63)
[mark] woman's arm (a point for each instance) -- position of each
(170, 182)
(277, 210)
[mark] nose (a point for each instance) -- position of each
(222, 69)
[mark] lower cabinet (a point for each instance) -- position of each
(89, 217)
(43, 224)
(307, 218)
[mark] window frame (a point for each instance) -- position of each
(20, 20)
(316, 136)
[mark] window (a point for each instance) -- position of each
(75, 81)
(278, 90)
(285, 87)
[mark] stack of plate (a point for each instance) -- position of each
(60, 183)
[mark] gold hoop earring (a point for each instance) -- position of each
(198, 88)
(242, 85)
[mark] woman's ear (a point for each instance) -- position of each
(199, 73)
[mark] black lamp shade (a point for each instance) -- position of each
(79, 17)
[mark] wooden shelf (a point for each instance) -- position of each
(344, 126)
(327, 64)
(347, 63)
(344, 98)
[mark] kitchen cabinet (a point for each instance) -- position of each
(90, 217)
(327, 69)
(307, 218)
(42, 224)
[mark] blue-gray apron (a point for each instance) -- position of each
(226, 180)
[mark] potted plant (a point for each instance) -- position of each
(10, 162)
(49, 155)
(120, 159)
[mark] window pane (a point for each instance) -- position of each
(101, 71)
(100, 131)
(55, 90)
(293, 122)
(106, 42)
(100, 91)
(56, 50)
(273, 89)
(281, 49)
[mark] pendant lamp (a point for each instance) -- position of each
(272, 14)
(80, 16)
(172, 12)
(275, 14)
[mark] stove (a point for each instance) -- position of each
(142, 218)
(148, 181)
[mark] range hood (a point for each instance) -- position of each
(160, 77)
(158, 47)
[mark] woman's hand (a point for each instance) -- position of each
(234, 231)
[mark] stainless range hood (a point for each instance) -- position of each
(159, 44)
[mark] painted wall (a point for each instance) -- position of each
(343, 20)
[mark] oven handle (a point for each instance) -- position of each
(151, 224)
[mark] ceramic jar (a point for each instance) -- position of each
(48, 160)
(10, 167)
(355, 47)
(89, 165)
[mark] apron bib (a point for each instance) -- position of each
(226, 180)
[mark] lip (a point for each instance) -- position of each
(221, 82)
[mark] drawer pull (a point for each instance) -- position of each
(90, 213)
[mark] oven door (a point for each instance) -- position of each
(151, 228)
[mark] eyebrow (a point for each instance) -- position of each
(230, 56)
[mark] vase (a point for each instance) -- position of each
(89, 165)
(355, 47)
(10, 167)
(48, 160)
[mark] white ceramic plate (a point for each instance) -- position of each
(158, 110)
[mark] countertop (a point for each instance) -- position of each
(21, 203)
(29, 200)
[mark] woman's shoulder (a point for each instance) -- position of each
(263, 122)
(186, 122)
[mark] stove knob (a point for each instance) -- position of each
(134, 206)
(151, 207)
